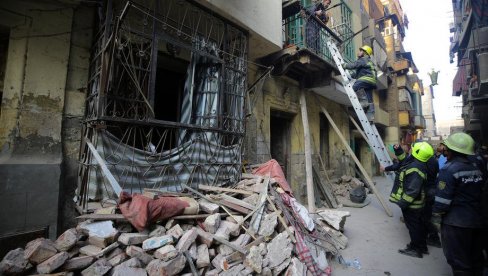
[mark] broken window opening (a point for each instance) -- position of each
(166, 101)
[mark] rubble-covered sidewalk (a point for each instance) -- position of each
(256, 227)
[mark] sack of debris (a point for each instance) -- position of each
(358, 194)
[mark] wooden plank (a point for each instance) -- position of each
(164, 193)
(226, 190)
(199, 216)
(360, 166)
(236, 201)
(308, 153)
(325, 188)
(106, 172)
(118, 217)
(233, 206)
(249, 176)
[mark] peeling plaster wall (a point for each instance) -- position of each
(32, 108)
(74, 109)
(282, 94)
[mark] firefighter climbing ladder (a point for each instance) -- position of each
(369, 128)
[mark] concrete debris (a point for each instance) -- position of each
(39, 250)
(98, 268)
(254, 259)
(279, 249)
(296, 268)
(212, 223)
(172, 267)
(216, 243)
(343, 186)
(187, 239)
(334, 218)
(90, 250)
(268, 224)
(52, 263)
(166, 252)
(157, 242)
(346, 178)
(208, 207)
(158, 231)
(175, 231)
(203, 258)
(14, 263)
(78, 263)
(67, 240)
(132, 238)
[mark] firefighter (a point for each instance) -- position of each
(457, 209)
(408, 193)
(432, 172)
(365, 76)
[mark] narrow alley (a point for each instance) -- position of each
(374, 240)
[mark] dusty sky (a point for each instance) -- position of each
(427, 37)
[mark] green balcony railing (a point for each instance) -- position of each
(307, 32)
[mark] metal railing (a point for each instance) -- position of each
(308, 32)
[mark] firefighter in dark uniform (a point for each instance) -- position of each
(432, 171)
(457, 210)
(408, 193)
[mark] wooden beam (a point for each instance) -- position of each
(359, 129)
(106, 172)
(118, 217)
(308, 153)
(360, 166)
(225, 190)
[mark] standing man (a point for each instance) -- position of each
(457, 209)
(408, 193)
(313, 27)
(365, 76)
(432, 171)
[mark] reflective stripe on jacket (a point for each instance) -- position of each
(408, 189)
(458, 196)
(365, 70)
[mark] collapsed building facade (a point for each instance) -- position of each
(153, 94)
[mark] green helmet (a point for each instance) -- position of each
(460, 142)
(422, 151)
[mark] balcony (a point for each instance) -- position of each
(400, 66)
(419, 122)
(483, 73)
(403, 119)
(305, 56)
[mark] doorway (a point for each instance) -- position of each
(280, 125)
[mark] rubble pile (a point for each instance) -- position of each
(342, 186)
(254, 228)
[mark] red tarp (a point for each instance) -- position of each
(273, 169)
(140, 210)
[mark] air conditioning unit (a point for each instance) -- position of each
(483, 73)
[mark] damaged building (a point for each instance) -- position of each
(111, 95)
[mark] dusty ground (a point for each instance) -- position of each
(374, 240)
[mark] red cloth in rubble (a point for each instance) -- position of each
(140, 210)
(273, 169)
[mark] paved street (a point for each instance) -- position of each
(374, 239)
